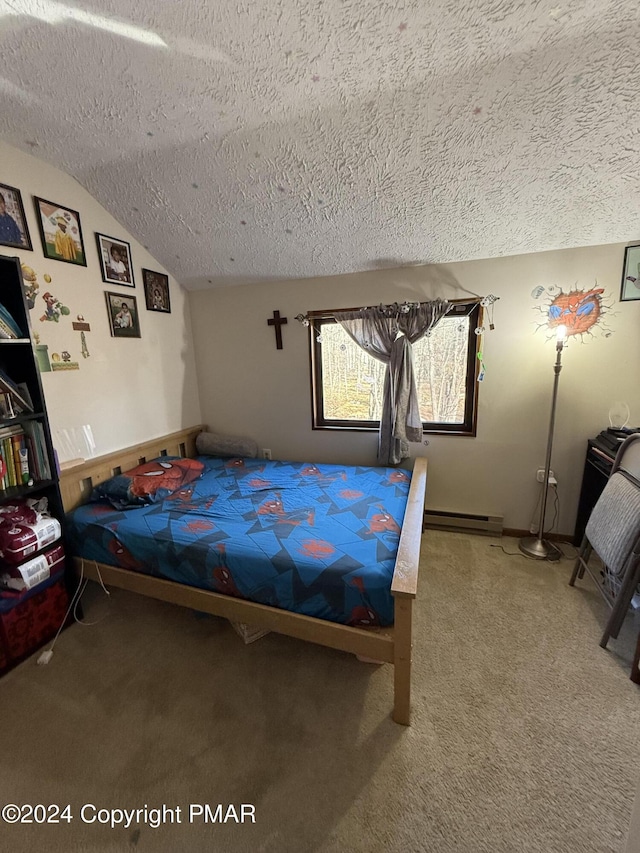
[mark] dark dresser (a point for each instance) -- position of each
(601, 451)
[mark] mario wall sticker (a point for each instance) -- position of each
(81, 325)
(62, 361)
(30, 283)
(42, 355)
(54, 311)
(579, 311)
(54, 308)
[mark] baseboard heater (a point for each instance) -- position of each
(490, 524)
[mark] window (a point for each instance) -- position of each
(347, 382)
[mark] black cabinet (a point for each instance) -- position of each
(31, 618)
(597, 467)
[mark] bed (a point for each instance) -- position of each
(323, 553)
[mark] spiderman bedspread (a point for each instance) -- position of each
(316, 539)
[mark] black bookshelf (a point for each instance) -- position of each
(19, 362)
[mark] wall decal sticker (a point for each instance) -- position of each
(580, 311)
(81, 325)
(30, 283)
(42, 354)
(62, 361)
(54, 308)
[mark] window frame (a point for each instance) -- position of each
(473, 310)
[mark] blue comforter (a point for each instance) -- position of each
(316, 539)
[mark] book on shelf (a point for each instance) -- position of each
(9, 386)
(7, 455)
(18, 444)
(38, 462)
(23, 452)
(8, 326)
(34, 465)
(7, 466)
(4, 480)
(46, 468)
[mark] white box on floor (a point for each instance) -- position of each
(249, 633)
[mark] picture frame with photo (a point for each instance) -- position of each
(60, 232)
(14, 231)
(156, 291)
(115, 260)
(630, 288)
(124, 319)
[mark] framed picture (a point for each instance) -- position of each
(156, 291)
(123, 315)
(60, 232)
(13, 223)
(631, 274)
(115, 260)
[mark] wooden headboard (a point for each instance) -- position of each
(77, 481)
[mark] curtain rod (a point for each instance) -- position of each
(330, 311)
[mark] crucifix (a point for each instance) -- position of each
(277, 321)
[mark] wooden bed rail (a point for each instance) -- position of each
(404, 588)
(370, 642)
(405, 574)
(77, 481)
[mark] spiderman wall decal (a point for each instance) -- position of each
(579, 311)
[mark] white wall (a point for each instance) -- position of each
(127, 390)
(247, 386)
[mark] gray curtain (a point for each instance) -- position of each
(387, 333)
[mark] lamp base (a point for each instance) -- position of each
(539, 549)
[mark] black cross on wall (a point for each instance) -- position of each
(278, 322)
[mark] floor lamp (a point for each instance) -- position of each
(536, 546)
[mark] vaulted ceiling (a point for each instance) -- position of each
(245, 140)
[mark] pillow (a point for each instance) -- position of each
(151, 482)
(212, 444)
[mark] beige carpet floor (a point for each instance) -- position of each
(525, 733)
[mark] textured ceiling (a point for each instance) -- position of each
(245, 141)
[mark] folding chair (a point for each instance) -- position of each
(613, 533)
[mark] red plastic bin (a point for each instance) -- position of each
(29, 620)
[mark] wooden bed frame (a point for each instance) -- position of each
(389, 645)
